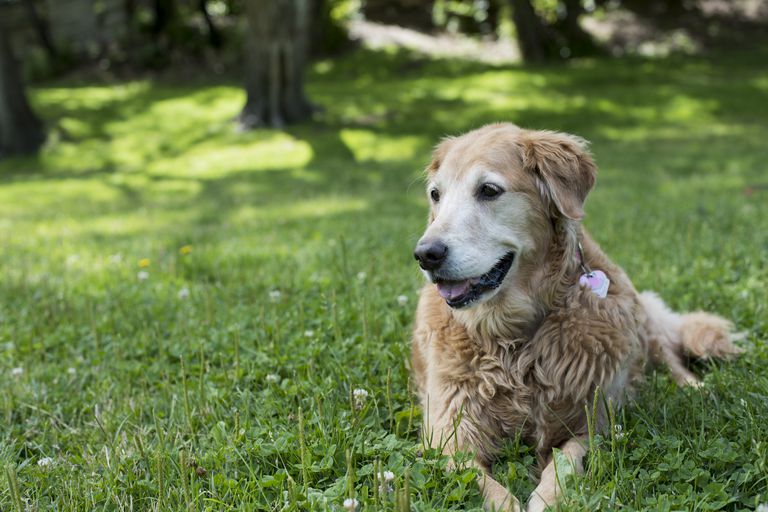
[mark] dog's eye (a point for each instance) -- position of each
(434, 194)
(489, 191)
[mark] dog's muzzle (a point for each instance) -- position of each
(461, 293)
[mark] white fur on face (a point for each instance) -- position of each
(478, 232)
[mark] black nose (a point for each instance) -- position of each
(431, 254)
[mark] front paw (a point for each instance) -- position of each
(536, 504)
(498, 499)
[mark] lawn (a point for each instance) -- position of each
(186, 311)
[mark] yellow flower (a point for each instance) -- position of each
(144, 262)
(186, 249)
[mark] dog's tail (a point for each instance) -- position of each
(674, 337)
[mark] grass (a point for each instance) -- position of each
(294, 249)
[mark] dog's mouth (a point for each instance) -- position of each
(459, 294)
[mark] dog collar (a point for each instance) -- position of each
(595, 280)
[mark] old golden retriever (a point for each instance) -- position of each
(524, 319)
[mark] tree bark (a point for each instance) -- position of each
(533, 37)
(214, 36)
(275, 54)
(415, 14)
(21, 132)
(41, 28)
(164, 26)
(573, 10)
(580, 42)
(165, 14)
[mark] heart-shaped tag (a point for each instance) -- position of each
(597, 281)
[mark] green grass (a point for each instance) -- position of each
(237, 397)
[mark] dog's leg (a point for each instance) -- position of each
(447, 429)
(547, 492)
(673, 336)
(496, 497)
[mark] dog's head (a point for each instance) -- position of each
(495, 194)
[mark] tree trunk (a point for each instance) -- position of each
(41, 28)
(275, 53)
(573, 10)
(21, 132)
(533, 37)
(327, 36)
(214, 36)
(415, 14)
(164, 27)
(579, 41)
(165, 14)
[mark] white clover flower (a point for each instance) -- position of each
(361, 276)
(45, 462)
(17, 372)
(275, 295)
(385, 482)
(350, 504)
(71, 370)
(116, 258)
(360, 395)
(618, 431)
(272, 378)
(309, 333)
(402, 300)
(183, 293)
(743, 404)
(143, 275)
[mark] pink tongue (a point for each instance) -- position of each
(450, 291)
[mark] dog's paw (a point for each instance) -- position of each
(497, 498)
(536, 504)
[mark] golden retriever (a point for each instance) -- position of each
(524, 319)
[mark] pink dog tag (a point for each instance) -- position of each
(597, 281)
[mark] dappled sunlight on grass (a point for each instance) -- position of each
(367, 145)
(212, 158)
(129, 127)
(277, 264)
(32, 200)
(307, 210)
(167, 159)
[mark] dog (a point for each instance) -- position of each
(524, 320)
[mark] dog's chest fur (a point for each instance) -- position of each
(536, 383)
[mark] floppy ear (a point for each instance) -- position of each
(563, 167)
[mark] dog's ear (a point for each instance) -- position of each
(563, 168)
(438, 154)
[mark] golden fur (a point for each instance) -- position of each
(530, 358)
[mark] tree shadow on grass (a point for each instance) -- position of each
(381, 98)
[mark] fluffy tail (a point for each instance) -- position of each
(673, 337)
